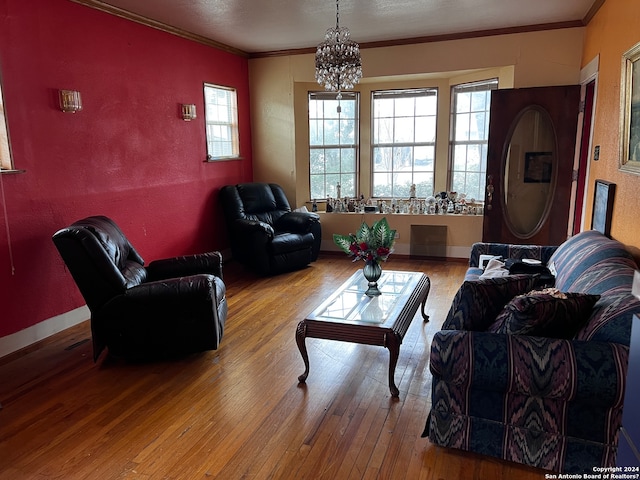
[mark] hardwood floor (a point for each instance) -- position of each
(239, 412)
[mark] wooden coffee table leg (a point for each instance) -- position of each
(425, 317)
(301, 333)
(393, 344)
(424, 302)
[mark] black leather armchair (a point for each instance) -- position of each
(265, 234)
(171, 307)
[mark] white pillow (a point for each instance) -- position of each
(484, 260)
(495, 268)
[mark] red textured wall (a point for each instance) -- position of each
(127, 155)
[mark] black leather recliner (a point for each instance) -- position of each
(173, 306)
(265, 235)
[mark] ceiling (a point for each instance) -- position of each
(260, 26)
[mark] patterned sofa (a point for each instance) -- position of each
(552, 403)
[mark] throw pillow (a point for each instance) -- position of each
(545, 313)
(477, 302)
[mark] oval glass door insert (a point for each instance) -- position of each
(529, 172)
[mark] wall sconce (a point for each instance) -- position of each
(70, 101)
(188, 112)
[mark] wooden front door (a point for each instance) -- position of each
(530, 157)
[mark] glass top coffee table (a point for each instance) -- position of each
(348, 315)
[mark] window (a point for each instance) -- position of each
(469, 134)
(333, 144)
(404, 135)
(5, 152)
(221, 118)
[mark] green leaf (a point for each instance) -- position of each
(383, 234)
(364, 234)
(342, 241)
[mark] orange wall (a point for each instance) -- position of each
(612, 31)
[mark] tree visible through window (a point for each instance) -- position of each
(469, 135)
(333, 144)
(404, 136)
(221, 118)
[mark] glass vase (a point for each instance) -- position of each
(372, 272)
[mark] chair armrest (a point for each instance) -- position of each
(297, 222)
(593, 372)
(243, 226)
(166, 317)
(210, 262)
(506, 250)
(188, 288)
(251, 239)
(182, 299)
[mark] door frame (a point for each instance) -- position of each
(588, 74)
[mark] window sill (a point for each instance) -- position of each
(222, 159)
(412, 215)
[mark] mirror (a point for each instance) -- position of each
(529, 175)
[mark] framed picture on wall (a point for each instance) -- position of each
(603, 207)
(538, 167)
(630, 111)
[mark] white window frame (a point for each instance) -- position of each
(221, 123)
(345, 150)
(468, 139)
(393, 121)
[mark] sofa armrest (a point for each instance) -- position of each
(507, 250)
(297, 222)
(210, 262)
(592, 371)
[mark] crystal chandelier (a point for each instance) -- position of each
(338, 63)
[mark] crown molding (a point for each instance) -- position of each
(592, 11)
(119, 12)
(436, 38)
